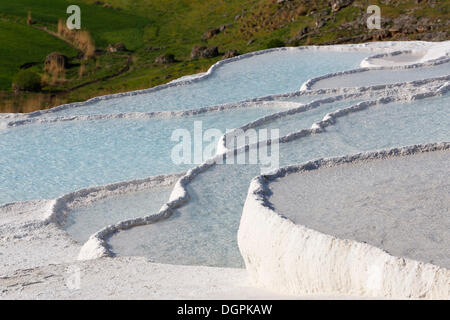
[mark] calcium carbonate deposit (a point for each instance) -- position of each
(397, 216)
(399, 204)
(91, 189)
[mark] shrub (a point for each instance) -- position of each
(274, 43)
(165, 58)
(27, 80)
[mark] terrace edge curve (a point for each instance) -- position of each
(292, 259)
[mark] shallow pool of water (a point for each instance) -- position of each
(378, 77)
(204, 231)
(261, 75)
(398, 204)
(82, 222)
(47, 160)
(294, 122)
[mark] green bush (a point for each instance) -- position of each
(27, 80)
(274, 43)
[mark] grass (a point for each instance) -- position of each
(106, 25)
(22, 44)
(171, 26)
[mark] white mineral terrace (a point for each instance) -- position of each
(353, 224)
(91, 187)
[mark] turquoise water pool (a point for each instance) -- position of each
(256, 76)
(379, 77)
(47, 160)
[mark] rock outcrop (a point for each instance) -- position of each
(204, 52)
(230, 54)
(117, 47)
(337, 5)
(212, 32)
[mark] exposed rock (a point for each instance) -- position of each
(197, 52)
(118, 47)
(394, 30)
(405, 24)
(303, 33)
(359, 38)
(204, 52)
(210, 52)
(319, 24)
(150, 48)
(165, 58)
(337, 5)
(230, 54)
(424, 21)
(381, 34)
(421, 29)
(435, 36)
(212, 32)
(324, 12)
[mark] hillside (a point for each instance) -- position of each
(130, 35)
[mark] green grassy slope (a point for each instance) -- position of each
(149, 28)
(106, 25)
(21, 44)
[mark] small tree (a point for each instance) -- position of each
(26, 80)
